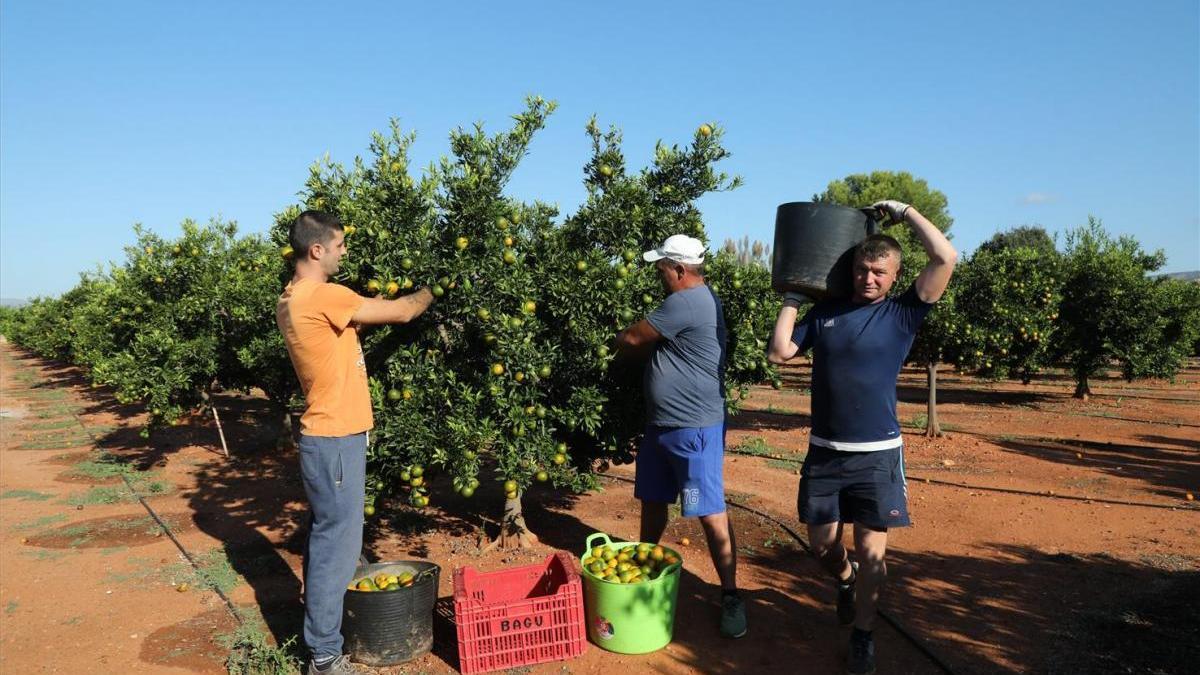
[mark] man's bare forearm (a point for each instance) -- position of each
(936, 245)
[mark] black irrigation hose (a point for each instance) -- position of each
(912, 639)
(1011, 491)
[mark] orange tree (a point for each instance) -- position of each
(177, 312)
(1111, 311)
(510, 374)
(935, 343)
(1009, 298)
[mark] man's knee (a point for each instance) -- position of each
(829, 554)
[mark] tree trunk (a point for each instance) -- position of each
(932, 428)
(513, 530)
(1082, 389)
(287, 433)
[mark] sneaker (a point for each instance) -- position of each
(861, 660)
(845, 598)
(340, 666)
(733, 617)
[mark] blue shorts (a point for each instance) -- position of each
(854, 487)
(683, 463)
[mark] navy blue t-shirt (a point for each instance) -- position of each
(857, 354)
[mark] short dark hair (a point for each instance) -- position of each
(311, 228)
(877, 246)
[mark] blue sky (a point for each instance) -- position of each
(1021, 112)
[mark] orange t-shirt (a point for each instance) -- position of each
(315, 321)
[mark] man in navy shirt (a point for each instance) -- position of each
(682, 452)
(854, 471)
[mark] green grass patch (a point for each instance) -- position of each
(251, 652)
(216, 571)
(104, 466)
(44, 555)
(39, 523)
(213, 569)
(11, 607)
(102, 495)
(73, 621)
(109, 466)
(740, 497)
(54, 425)
(57, 443)
(47, 394)
(792, 465)
(758, 445)
(56, 411)
(26, 495)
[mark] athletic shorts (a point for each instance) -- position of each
(854, 487)
(683, 463)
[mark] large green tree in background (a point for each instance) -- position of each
(1113, 311)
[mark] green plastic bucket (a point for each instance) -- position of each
(630, 618)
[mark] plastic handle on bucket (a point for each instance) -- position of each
(593, 537)
(424, 575)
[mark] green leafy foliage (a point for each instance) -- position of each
(1008, 298)
(1112, 311)
(511, 374)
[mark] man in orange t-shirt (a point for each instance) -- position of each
(319, 323)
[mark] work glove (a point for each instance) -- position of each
(894, 210)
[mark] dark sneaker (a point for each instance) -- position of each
(733, 617)
(861, 660)
(340, 666)
(845, 598)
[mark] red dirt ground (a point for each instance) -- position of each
(988, 581)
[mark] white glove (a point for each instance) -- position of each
(892, 208)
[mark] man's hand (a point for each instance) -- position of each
(895, 210)
(637, 340)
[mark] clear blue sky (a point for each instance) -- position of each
(1021, 112)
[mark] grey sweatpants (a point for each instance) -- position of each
(334, 472)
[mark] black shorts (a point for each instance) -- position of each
(854, 487)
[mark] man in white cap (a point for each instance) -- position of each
(683, 449)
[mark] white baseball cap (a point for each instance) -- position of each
(680, 248)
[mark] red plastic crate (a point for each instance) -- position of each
(519, 616)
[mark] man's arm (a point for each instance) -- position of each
(782, 349)
(375, 311)
(637, 340)
(932, 281)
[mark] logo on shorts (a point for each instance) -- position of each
(691, 496)
(828, 323)
(895, 513)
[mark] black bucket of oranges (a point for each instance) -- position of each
(388, 612)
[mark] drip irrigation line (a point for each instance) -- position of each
(912, 639)
(989, 488)
(245, 656)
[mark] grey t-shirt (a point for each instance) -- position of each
(684, 381)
